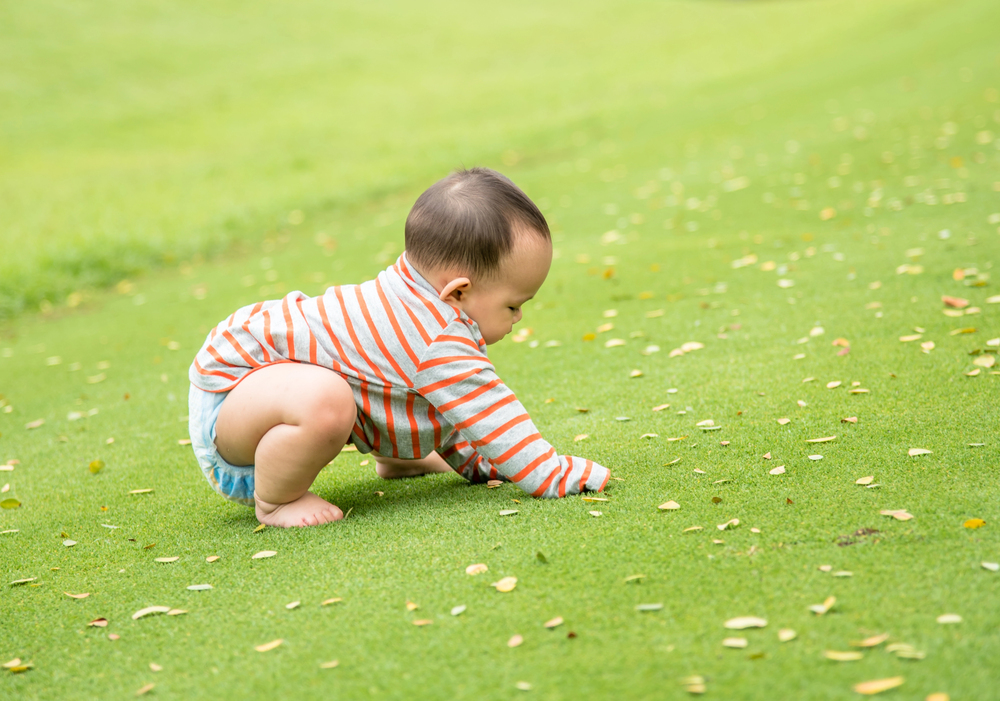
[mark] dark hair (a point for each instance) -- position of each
(469, 220)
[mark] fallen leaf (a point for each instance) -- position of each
(825, 439)
(692, 529)
(155, 667)
(96, 466)
(955, 302)
(837, 656)
(508, 512)
(76, 596)
(877, 686)
(581, 437)
(99, 623)
(10, 503)
(140, 491)
(423, 622)
(786, 634)
(12, 663)
(263, 554)
(735, 642)
(974, 523)
(506, 584)
(211, 558)
(490, 484)
(745, 622)
(815, 457)
(334, 600)
(69, 543)
(34, 424)
(669, 506)
(912, 337)
(554, 622)
(865, 480)
(148, 611)
(515, 641)
(898, 514)
(973, 373)
(661, 407)
(477, 568)
(957, 332)
(168, 559)
(23, 581)
(458, 610)
(176, 612)
(595, 514)
(646, 608)
(918, 451)
(985, 361)
(145, 689)
(949, 618)
(269, 646)
(289, 606)
(410, 606)
(783, 421)
(873, 641)
(184, 441)
(820, 609)
(637, 578)
(649, 435)
(779, 470)
(833, 385)
(991, 566)
(329, 665)
(728, 525)
(259, 528)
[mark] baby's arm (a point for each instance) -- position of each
(459, 380)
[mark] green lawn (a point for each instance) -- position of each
(754, 177)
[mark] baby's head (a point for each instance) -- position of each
(483, 244)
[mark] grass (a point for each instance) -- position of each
(187, 136)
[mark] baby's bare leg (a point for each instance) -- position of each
(394, 468)
(288, 420)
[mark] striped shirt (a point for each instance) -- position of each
(419, 373)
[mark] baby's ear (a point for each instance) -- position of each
(455, 289)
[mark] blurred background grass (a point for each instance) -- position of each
(137, 135)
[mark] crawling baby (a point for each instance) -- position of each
(396, 365)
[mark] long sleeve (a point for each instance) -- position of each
(463, 459)
(457, 378)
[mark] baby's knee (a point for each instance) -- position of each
(330, 409)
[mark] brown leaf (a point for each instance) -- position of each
(669, 506)
(99, 623)
(898, 514)
(873, 641)
(849, 420)
(955, 302)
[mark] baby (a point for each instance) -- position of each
(396, 365)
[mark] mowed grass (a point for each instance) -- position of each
(701, 134)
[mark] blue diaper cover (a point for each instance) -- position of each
(233, 482)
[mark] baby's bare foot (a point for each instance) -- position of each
(307, 510)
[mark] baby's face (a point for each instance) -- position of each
(495, 304)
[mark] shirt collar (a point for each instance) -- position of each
(415, 281)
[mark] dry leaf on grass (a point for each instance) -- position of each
(779, 470)
(76, 596)
(334, 600)
(508, 512)
(946, 618)
(825, 439)
(838, 656)
(877, 686)
(647, 608)
(912, 452)
(175, 558)
(423, 622)
(515, 641)
(783, 421)
(475, 569)
(898, 514)
(745, 622)
(269, 646)
(145, 689)
(506, 584)
(735, 642)
(669, 506)
(820, 609)
(873, 641)
(410, 606)
(263, 554)
(865, 480)
(99, 623)
(148, 611)
(329, 665)
(554, 622)
(786, 634)
(991, 566)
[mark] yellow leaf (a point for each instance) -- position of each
(96, 466)
(877, 686)
(735, 642)
(263, 554)
(843, 656)
(259, 528)
(329, 665)
(554, 623)
(825, 439)
(745, 622)
(974, 523)
(506, 584)
(873, 641)
(410, 606)
(423, 622)
(269, 646)
(865, 480)
(786, 634)
(515, 641)
(335, 600)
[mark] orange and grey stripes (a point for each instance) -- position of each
(419, 372)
